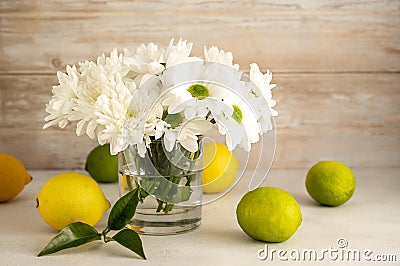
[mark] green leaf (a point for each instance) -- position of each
(131, 240)
(173, 119)
(72, 235)
(123, 210)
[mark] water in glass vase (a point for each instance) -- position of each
(170, 188)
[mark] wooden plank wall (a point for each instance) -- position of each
(336, 63)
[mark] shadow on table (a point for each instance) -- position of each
(230, 236)
(305, 200)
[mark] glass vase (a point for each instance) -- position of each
(170, 188)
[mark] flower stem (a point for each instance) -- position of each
(168, 167)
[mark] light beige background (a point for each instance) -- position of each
(336, 63)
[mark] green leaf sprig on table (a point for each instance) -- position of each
(78, 233)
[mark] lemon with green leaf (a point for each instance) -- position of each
(71, 197)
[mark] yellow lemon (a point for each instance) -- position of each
(101, 165)
(269, 214)
(330, 183)
(13, 177)
(71, 197)
(220, 167)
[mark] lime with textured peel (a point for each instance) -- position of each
(221, 167)
(101, 165)
(269, 214)
(71, 197)
(13, 177)
(330, 183)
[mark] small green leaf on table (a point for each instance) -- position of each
(131, 240)
(73, 235)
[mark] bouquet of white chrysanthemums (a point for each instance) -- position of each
(108, 103)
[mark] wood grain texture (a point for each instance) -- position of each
(338, 65)
(184, 6)
(348, 117)
(24, 100)
(331, 100)
(311, 36)
(295, 148)
(46, 149)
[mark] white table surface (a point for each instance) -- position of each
(370, 220)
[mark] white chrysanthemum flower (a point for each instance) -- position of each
(111, 110)
(145, 62)
(99, 96)
(246, 116)
(178, 54)
(261, 111)
(241, 127)
(263, 83)
(196, 100)
(186, 134)
(92, 82)
(213, 54)
(155, 126)
(150, 60)
(211, 102)
(144, 58)
(64, 98)
(234, 132)
(97, 79)
(228, 108)
(112, 65)
(143, 116)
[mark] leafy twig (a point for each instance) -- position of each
(78, 233)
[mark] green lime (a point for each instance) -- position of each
(269, 214)
(101, 165)
(330, 183)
